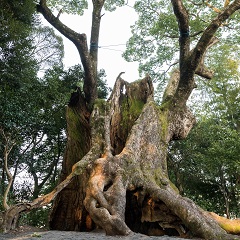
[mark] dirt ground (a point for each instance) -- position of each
(31, 233)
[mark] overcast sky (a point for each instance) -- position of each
(115, 30)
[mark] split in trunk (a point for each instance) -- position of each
(124, 173)
(115, 158)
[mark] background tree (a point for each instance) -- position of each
(205, 166)
(211, 149)
(15, 27)
(19, 84)
(155, 35)
(38, 155)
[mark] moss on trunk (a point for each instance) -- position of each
(125, 187)
(68, 212)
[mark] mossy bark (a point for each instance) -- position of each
(68, 212)
(124, 187)
(127, 184)
(115, 158)
(126, 163)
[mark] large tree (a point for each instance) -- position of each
(205, 165)
(114, 173)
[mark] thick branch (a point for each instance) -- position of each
(96, 19)
(197, 220)
(208, 34)
(202, 70)
(80, 41)
(230, 225)
(193, 61)
(13, 212)
(56, 23)
(172, 85)
(183, 25)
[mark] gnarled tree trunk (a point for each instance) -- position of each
(115, 172)
(125, 171)
(68, 212)
(121, 184)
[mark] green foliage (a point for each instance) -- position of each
(15, 59)
(23, 46)
(154, 41)
(16, 63)
(222, 92)
(37, 217)
(208, 163)
(36, 123)
(26, 116)
(78, 6)
(149, 44)
(72, 78)
(102, 88)
(69, 6)
(40, 124)
(16, 17)
(111, 5)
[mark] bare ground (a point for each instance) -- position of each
(32, 233)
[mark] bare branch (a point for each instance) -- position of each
(80, 41)
(60, 12)
(193, 61)
(226, 3)
(201, 69)
(183, 25)
(56, 23)
(197, 33)
(207, 36)
(212, 7)
(190, 35)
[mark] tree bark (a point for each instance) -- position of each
(115, 160)
(105, 182)
(9, 176)
(88, 58)
(68, 212)
(8, 146)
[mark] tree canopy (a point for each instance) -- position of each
(155, 36)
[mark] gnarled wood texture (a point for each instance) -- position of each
(133, 175)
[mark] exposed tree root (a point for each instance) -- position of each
(139, 167)
(231, 226)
